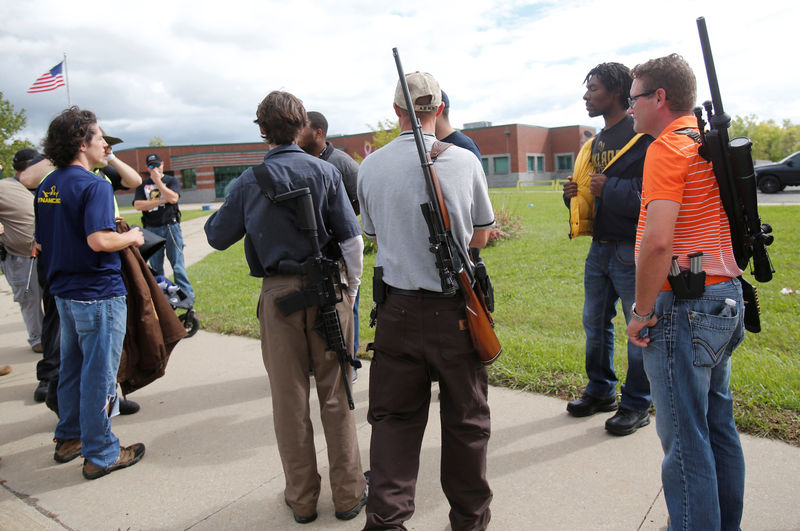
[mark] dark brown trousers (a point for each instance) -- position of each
(416, 338)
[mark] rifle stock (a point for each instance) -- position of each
(452, 265)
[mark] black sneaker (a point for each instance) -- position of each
(40, 394)
(352, 513)
(127, 407)
(298, 518)
(627, 421)
(589, 405)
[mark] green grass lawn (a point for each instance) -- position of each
(538, 281)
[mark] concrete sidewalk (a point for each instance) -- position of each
(212, 461)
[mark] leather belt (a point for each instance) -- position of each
(425, 294)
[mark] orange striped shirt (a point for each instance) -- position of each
(673, 170)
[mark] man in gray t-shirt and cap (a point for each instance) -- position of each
(420, 330)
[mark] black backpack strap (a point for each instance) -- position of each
(264, 182)
(691, 133)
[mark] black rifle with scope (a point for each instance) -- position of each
(733, 166)
(322, 285)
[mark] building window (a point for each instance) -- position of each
(189, 178)
(485, 164)
(223, 175)
(536, 163)
(564, 162)
(500, 165)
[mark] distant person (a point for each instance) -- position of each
(603, 199)
(289, 344)
(447, 133)
(157, 198)
(689, 338)
(313, 140)
(16, 243)
(76, 229)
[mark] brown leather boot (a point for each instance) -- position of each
(128, 456)
(67, 450)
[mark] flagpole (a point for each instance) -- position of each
(66, 78)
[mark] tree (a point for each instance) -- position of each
(770, 140)
(11, 123)
(156, 142)
(386, 131)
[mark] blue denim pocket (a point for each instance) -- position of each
(625, 253)
(86, 315)
(713, 335)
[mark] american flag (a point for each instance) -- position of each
(50, 80)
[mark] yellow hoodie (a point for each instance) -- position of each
(581, 207)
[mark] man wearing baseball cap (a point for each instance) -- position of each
(157, 199)
(420, 332)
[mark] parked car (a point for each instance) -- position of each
(774, 177)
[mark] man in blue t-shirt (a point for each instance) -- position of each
(76, 230)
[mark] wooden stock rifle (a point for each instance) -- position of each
(454, 266)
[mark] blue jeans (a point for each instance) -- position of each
(174, 247)
(610, 275)
(688, 362)
(21, 274)
(91, 344)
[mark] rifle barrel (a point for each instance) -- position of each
(711, 71)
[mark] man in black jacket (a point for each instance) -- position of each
(608, 182)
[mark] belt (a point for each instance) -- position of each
(425, 294)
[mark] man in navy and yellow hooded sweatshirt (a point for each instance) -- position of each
(603, 196)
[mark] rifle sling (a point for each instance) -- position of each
(264, 182)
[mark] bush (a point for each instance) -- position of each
(508, 226)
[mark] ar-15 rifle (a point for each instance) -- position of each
(733, 167)
(453, 266)
(323, 288)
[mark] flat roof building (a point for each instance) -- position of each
(511, 154)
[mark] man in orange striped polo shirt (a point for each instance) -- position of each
(687, 341)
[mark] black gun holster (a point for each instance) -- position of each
(688, 285)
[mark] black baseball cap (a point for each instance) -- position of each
(153, 159)
(24, 158)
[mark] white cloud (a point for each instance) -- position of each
(194, 72)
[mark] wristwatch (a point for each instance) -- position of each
(642, 318)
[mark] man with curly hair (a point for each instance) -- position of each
(76, 229)
(603, 198)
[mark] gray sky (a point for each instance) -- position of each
(194, 72)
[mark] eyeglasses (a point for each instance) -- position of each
(152, 166)
(632, 99)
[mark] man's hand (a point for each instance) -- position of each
(635, 331)
(156, 174)
(596, 186)
(2, 229)
(570, 188)
(137, 236)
